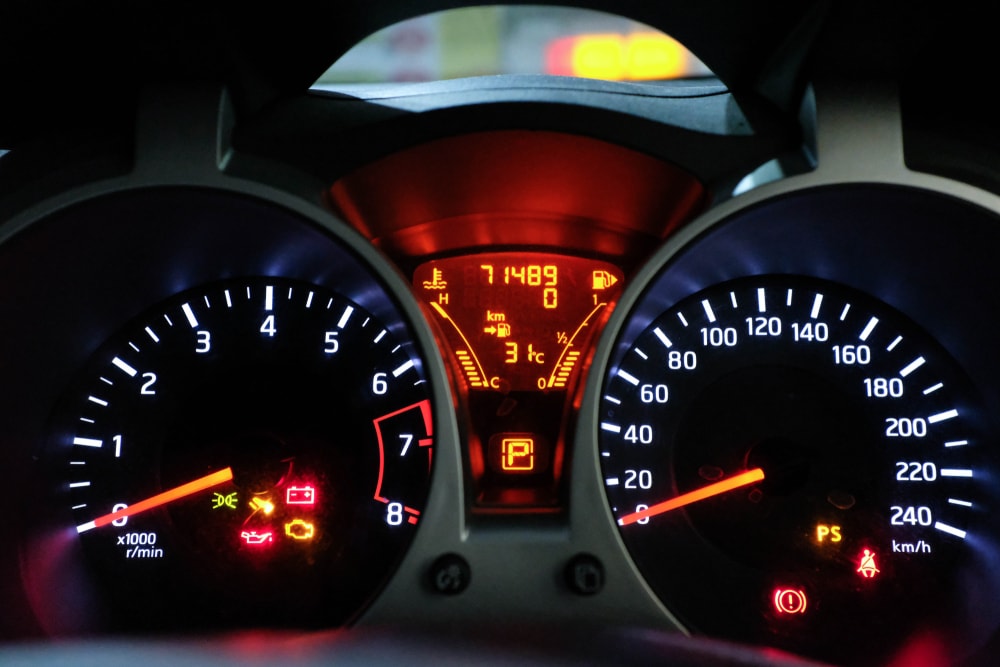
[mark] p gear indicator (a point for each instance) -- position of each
(517, 321)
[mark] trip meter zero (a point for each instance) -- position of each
(804, 449)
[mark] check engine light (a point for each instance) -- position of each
(299, 529)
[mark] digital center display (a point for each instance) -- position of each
(517, 321)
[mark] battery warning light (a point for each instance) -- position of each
(300, 495)
(867, 567)
(790, 601)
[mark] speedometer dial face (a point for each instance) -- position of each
(255, 452)
(790, 461)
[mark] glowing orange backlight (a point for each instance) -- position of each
(642, 56)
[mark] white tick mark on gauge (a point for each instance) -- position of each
(124, 367)
(106, 381)
(189, 314)
(732, 299)
(642, 355)
(628, 377)
(152, 334)
(709, 313)
(380, 335)
(680, 316)
(942, 416)
(761, 300)
(869, 328)
(87, 442)
(208, 304)
(229, 299)
(407, 365)
(611, 481)
(960, 503)
(611, 428)
(98, 401)
(612, 399)
(843, 313)
(309, 300)
(912, 366)
(817, 304)
(269, 298)
(951, 530)
(78, 485)
(931, 390)
(893, 344)
(956, 443)
(788, 301)
(956, 472)
(133, 346)
(663, 338)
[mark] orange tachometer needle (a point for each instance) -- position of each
(734, 482)
(176, 493)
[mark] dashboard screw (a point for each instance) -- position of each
(585, 574)
(450, 574)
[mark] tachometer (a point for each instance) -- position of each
(251, 452)
(791, 461)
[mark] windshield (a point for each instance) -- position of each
(478, 41)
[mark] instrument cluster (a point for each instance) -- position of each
(487, 372)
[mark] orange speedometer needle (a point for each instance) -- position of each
(176, 493)
(734, 482)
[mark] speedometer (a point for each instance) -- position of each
(790, 460)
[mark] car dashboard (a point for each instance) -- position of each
(514, 367)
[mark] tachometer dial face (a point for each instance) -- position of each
(791, 461)
(251, 452)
